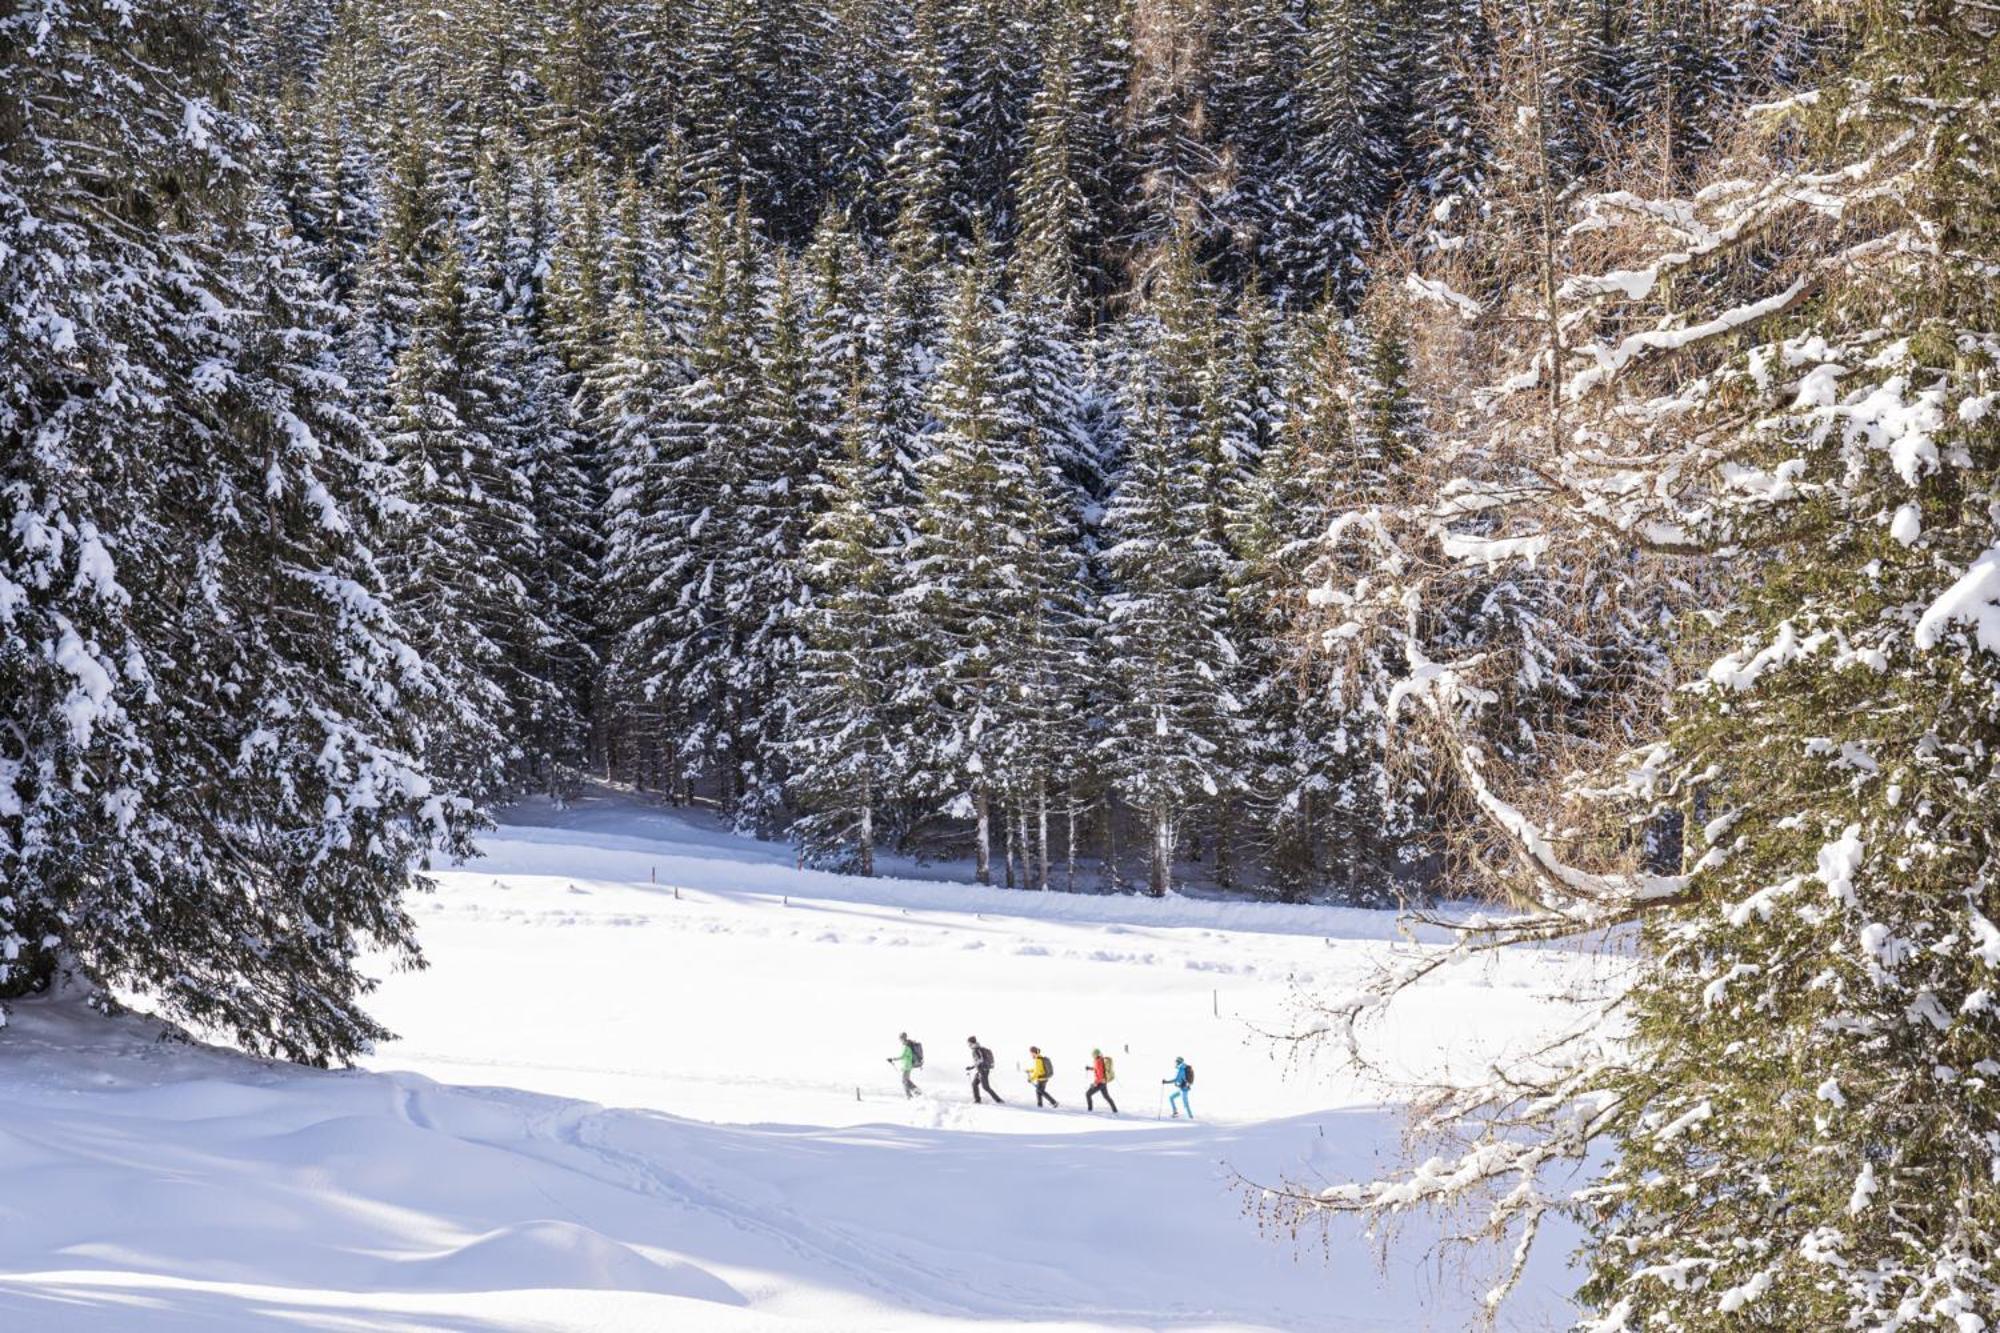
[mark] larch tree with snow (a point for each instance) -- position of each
(1797, 1119)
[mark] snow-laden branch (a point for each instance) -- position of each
(1431, 289)
(1743, 210)
(1609, 362)
(1584, 897)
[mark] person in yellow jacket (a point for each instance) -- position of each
(1040, 1071)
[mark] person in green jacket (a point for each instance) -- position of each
(906, 1062)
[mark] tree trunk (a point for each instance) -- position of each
(982, 847)
(867, 858)
(1225, 852)
(1007, 852)
(1042, 834)
(1163, 852)
(1070, 847)
(1110, 871)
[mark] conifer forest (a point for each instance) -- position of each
(1539, 452)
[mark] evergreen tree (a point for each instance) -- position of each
(1807, 1119)
(643, 716)
(843, 744)
(856, 88)
(463, 538)
(925, 166)
(213, 777)
(705, 597)
(1171, 717)
(536, 424)
(1058, 232)
(787, 434)
(965, 586)
(1255, 105)
(1316, 692)
(1343, 165)
(1453, 69)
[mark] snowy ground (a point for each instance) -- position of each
(643, 1085)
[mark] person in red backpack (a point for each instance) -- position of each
(1100, 1082)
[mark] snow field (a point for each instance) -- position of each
(473, 1176)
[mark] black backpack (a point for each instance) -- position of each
(917, 1049)
(1187, 1076)
(982, 1058)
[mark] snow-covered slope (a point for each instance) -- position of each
(644, 1085)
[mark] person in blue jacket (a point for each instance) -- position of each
(1182, 1081)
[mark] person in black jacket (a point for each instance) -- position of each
(981, 1070)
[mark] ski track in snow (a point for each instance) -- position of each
(642, 1086)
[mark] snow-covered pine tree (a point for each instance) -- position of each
(925, 168)
(1290, 709)
(1452, 72)
(641, 715)
(1326, 800)
(1255, 104)
(1057, 230)
(787, 434)
(1816, 1053)
(1341, 171)
(703, 598)
(963, 587)
(999, 39)
(1104, 70)
(536, 421)
(856, 112)
(573, 62)
(578, 288)
(1048, 673)
(212, 777)
(843, 746)
(841, 330)
(463, 536)
(1170, 714)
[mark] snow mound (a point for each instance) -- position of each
(558, 1254)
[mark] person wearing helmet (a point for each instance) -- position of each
(981, 1070)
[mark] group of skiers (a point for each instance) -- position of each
(1040, 1070)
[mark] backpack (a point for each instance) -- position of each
(1042, 1070)
(1187, 1076)
(1109, 1072)
(917, 1049)
(982, 1058)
